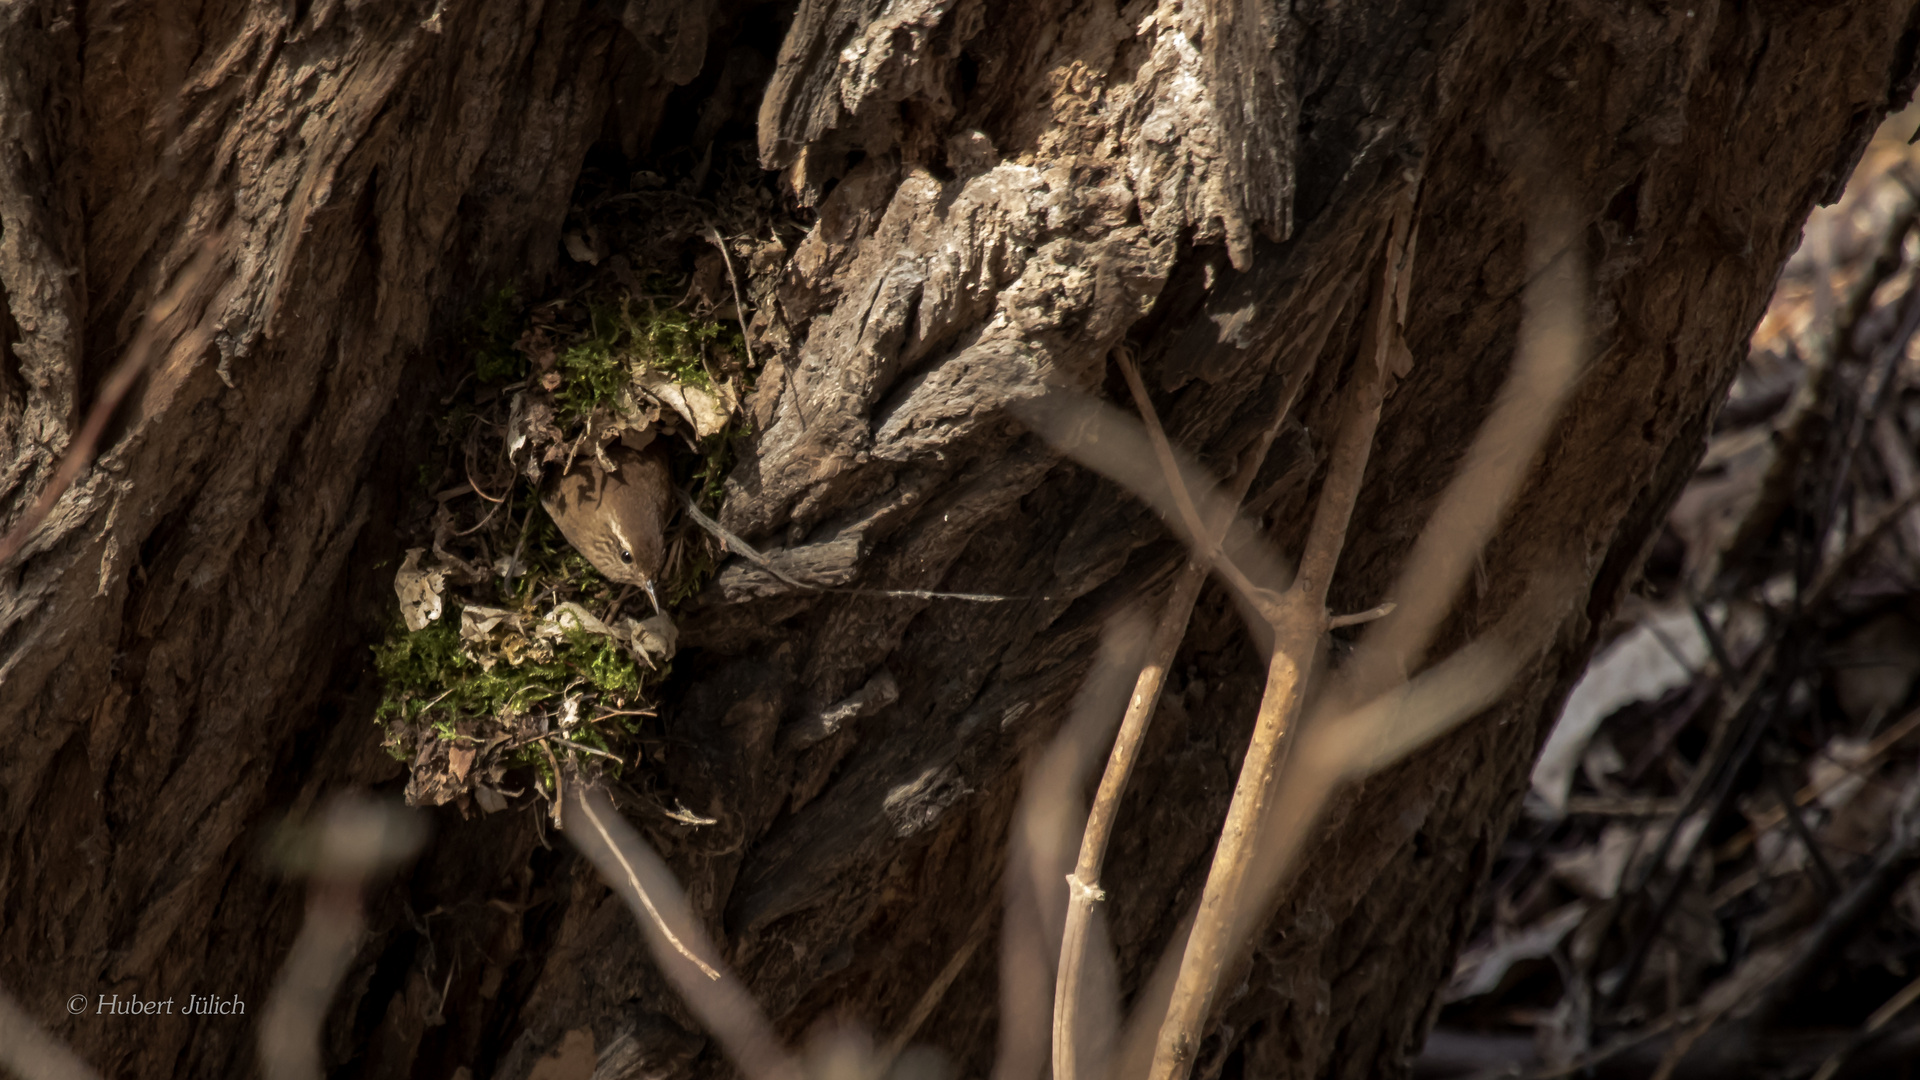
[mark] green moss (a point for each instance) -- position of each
(431, 677)
(604, 664)
(491, 338)
(638, 334)
(694, 576)
(440, 688)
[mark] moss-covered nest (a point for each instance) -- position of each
(512, 661)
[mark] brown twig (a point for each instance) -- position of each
(936, 990)
(1299, 622)
(1205, 539)
(1883, 1015)
(1893, 864)
(1548, 360)
(640, 892)
(1806, 795)
(1047, 829)
(1084, 889)
(715, 997)
(740, 304)
(351, 843)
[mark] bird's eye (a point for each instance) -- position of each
(625, 555)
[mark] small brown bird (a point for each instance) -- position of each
(616, 518)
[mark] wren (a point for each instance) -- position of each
(616, 518)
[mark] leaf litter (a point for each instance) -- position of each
(1714, 873)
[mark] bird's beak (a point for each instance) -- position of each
(653, 596)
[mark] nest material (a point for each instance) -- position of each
(516, 665)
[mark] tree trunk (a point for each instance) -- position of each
(1005, 193)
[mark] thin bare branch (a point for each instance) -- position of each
(1117, 446)
(27, 1051)
(936, 990)
(739, 302)
(1084, 888)
(721, 1003)
(1163, 452)
(646, 902)
(1046, 828)
(352, 841)
(1300, 623)
(1546, 364)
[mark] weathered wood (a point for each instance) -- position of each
(182, 649)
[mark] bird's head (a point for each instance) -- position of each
(616, 519)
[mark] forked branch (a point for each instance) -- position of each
(1299, 621)
(1084, 888)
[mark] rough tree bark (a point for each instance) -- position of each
(1005, 192)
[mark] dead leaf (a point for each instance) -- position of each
(567, 618)
(706, 411)
(1480, 971)
(419, 590)
(476, 621)
(652, 639)
(491, 801)
(460, 760)
(1639, 666)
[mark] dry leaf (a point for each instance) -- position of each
(419, 590)
(460, 760)
(1639, 666)
(490, 801)
(569, 617)
(652, 639)
(477, 621)
(708, 412)
(1481, 970)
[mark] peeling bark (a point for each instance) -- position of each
(1003, 194)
